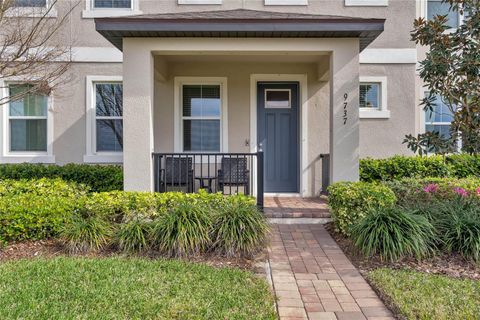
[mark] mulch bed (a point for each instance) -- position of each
(452, 265)
(53, 248)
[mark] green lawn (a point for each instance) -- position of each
(423, 296)
(122, 288)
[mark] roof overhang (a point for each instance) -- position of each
(239, 24)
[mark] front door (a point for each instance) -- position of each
(277, 130)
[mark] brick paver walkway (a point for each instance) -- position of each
(313, 279)
(285, 207)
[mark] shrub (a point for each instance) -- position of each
(398, 167)
(239, 228)
(350, 201)
(183, 230)
(36, 209)
(132, 235)
(85, 231)
(98, 177)
(413, 191)
(393, 233)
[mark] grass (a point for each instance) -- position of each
(425, 296)
(123, 288)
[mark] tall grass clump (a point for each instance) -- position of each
(183, 230)
(85, 231)
(394, 233)
(239, 228)
(132, 235)
(459, 228)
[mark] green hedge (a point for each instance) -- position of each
(398, 167)
(99, 178)
(36, 209)
(351, 201)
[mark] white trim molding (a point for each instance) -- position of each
(178, 83)
(92, 156)
(91, 12)
(8, 156)
(303, 117)
(382, 112)
(374, 56)
(366, 3)
(286, 2)
(199, 1)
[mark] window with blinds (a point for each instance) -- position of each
(29, 3)
(201, 117)
(112, 4)
(370, 95)
(109, 117)
(27, 120)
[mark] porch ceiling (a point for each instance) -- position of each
(239, 23)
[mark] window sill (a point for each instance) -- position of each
(32, 12)
(14, 158)
(366, 3)
(88, 14)
(374, 114)
(103, 158)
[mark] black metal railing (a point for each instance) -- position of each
(228, 173)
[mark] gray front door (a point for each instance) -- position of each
(277, 131)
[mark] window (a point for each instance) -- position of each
(373, 97)
(110, 8)
(279, 98)
(104, 119)
(437, 7)
(27, 121)
(30, 3)
(112, 4)
(108, 117)
(439, 119)
(201, 117)
(370, 95)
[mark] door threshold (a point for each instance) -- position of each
(282, 195)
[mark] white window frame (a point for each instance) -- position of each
(8, 156)
(286, 2)
(92, 156)
(199, 2)
(179, 82)
(382, 111)
(366, 3)
(92, 12)
(33, 12)
(424, 11)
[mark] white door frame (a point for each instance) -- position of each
(303, 111)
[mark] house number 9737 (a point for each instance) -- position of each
(345, 105)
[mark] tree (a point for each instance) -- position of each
(32, 46)
(451, 70)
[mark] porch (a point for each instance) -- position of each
(210, 86)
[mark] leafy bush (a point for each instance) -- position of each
(398, 167)
(183, 230)
(414, 191)
(85, 231)
(239, 228)
(351, 201)
(132, 235)
(394, 233)
(98, 177)
(36, 209)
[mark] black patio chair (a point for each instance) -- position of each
(234, 173)
(178, 172)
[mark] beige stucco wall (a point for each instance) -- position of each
(381, 138)
(70, 110)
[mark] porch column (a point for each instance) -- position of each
(344, 112)
(137, 117)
